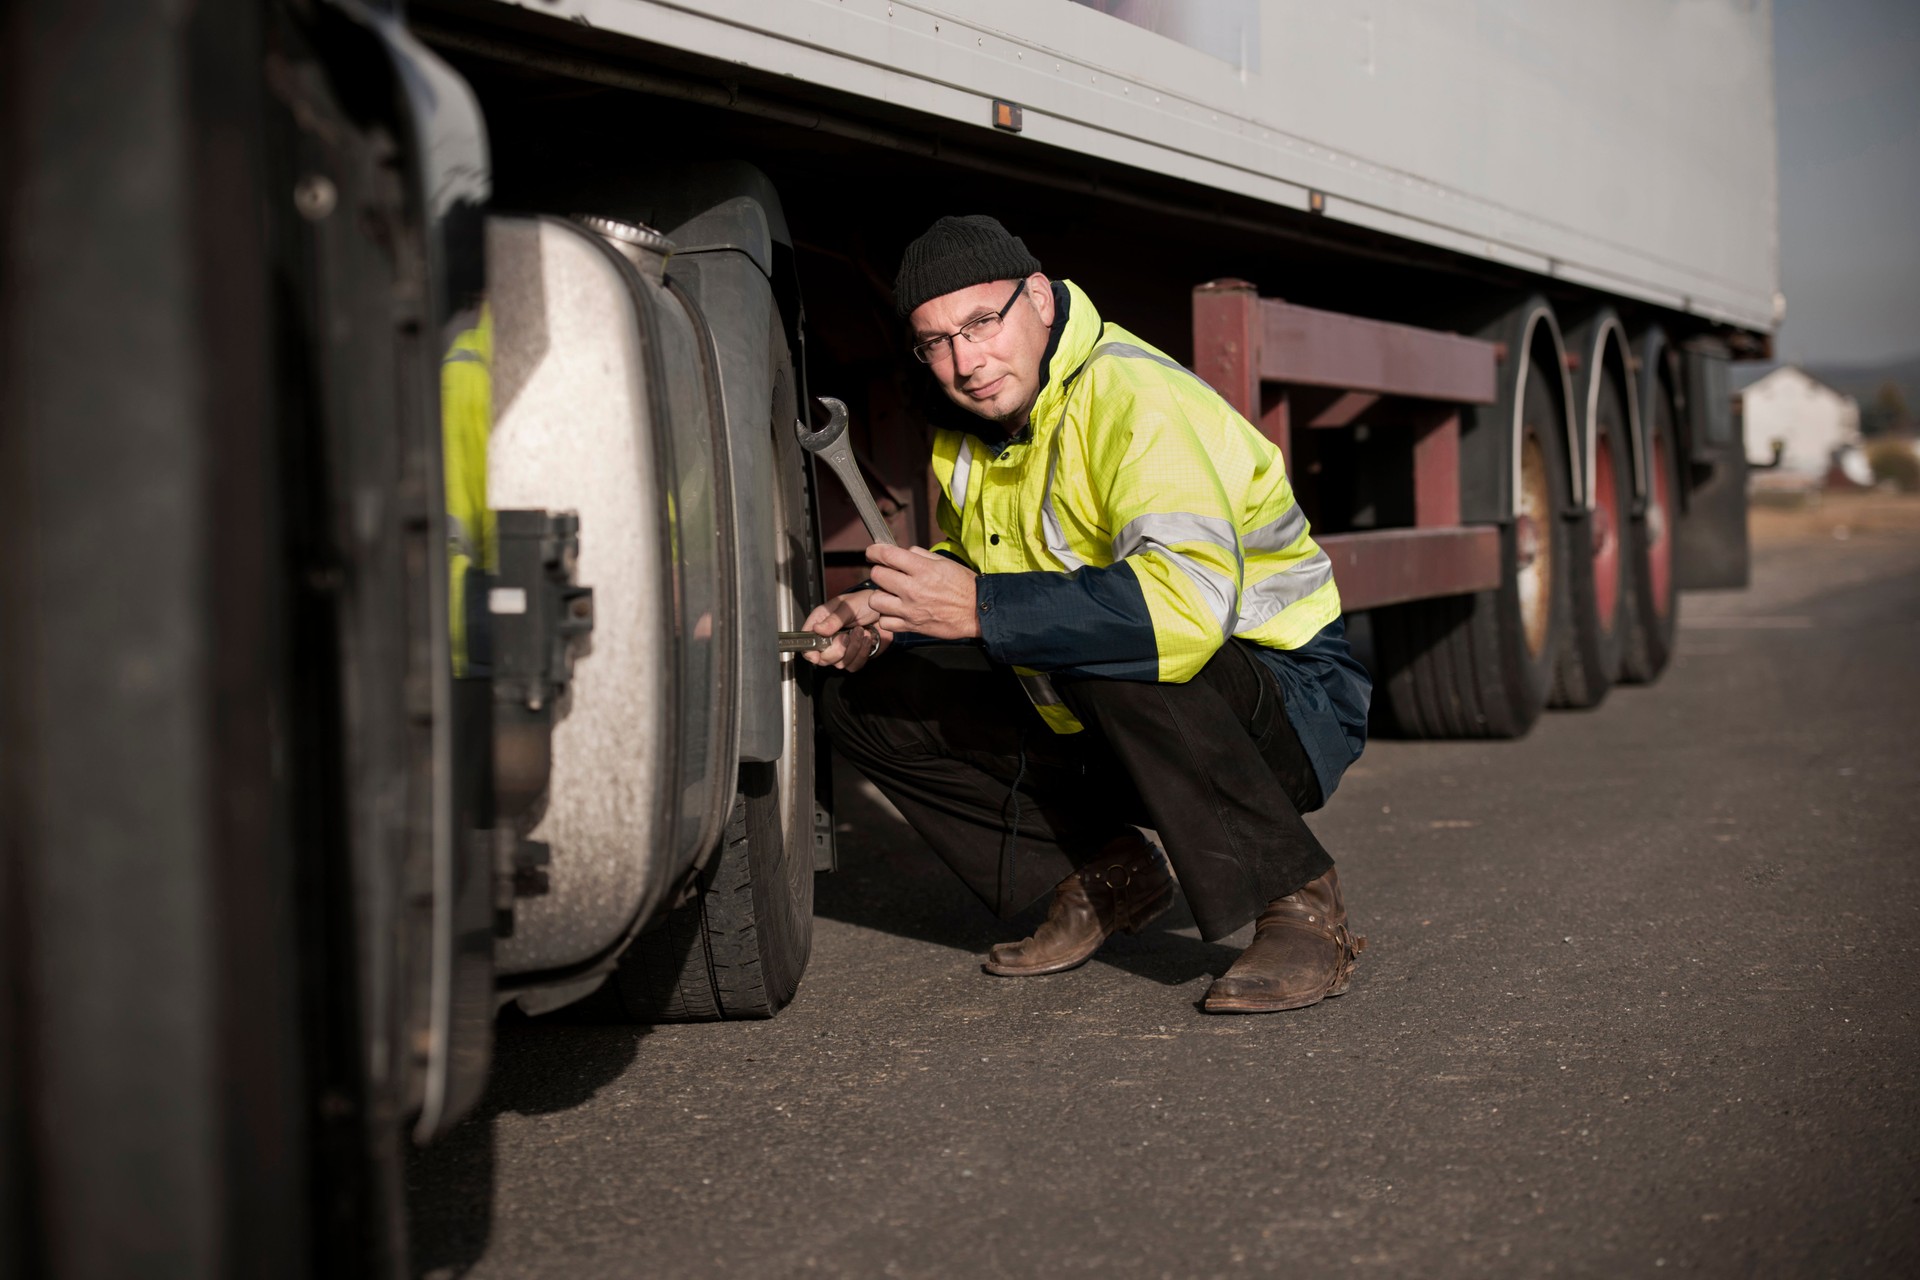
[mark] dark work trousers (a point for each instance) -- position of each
(1212, 765)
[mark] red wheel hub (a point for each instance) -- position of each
(1606, 532)
(1533, 553)
(1660, 529)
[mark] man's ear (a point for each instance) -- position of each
(1041, 290)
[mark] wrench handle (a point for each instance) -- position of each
(803, 642)
(839, 456)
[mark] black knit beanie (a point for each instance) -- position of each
(958, 253)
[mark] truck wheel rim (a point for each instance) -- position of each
(1606, 533)
(1534, 558)
(1660, 530)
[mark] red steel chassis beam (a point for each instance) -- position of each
(1287, 367)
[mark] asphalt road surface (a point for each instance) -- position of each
(1639, 999)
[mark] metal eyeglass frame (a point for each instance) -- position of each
(971, 330)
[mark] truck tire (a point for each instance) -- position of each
(1601, 575)
(1653, 601)
(1481, 665)
(738, 948)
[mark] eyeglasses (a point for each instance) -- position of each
(973, 331)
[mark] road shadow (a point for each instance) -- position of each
(540, 1066)
(890, 881)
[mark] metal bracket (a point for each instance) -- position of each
(541, 621)
(540, 616)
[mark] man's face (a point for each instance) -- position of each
(1000, 377)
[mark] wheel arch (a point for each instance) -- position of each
(1603, 352)
(1541, 342)
(1656, 375)
(733, 252)
(1527, 333)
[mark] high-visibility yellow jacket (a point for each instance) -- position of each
(466, 420)
(1136, 525)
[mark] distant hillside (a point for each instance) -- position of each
(1863, 381)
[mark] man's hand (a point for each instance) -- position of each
(923, 592)
(855, 629)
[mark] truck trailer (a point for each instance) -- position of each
(405, 502)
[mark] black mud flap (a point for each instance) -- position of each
(1711, 550)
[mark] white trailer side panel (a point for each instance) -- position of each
(1623, 144)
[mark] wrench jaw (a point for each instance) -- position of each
(830, 445)
(816, 441)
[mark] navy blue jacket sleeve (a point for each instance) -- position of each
(1091, 622)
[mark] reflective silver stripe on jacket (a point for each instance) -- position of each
(1050, 519)
(962, 467)
(1131, 352)
(1278, 535)
(1040, 690)
(1262, 601)
(1158, 531)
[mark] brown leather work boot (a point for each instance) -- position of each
(1301, 953)
(1124, 888)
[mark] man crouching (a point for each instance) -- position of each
(1149, 636)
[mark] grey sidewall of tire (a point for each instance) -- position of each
(738, 949)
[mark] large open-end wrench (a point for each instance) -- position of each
(829, 444)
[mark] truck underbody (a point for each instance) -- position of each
(342, 871)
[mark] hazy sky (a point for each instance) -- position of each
(1847, 84)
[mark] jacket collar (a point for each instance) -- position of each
(1076, 331)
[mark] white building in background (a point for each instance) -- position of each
(1807, 424)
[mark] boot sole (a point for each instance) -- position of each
(1153, 912)
(1246, 1004)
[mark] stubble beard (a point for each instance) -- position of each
(1015, 417)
